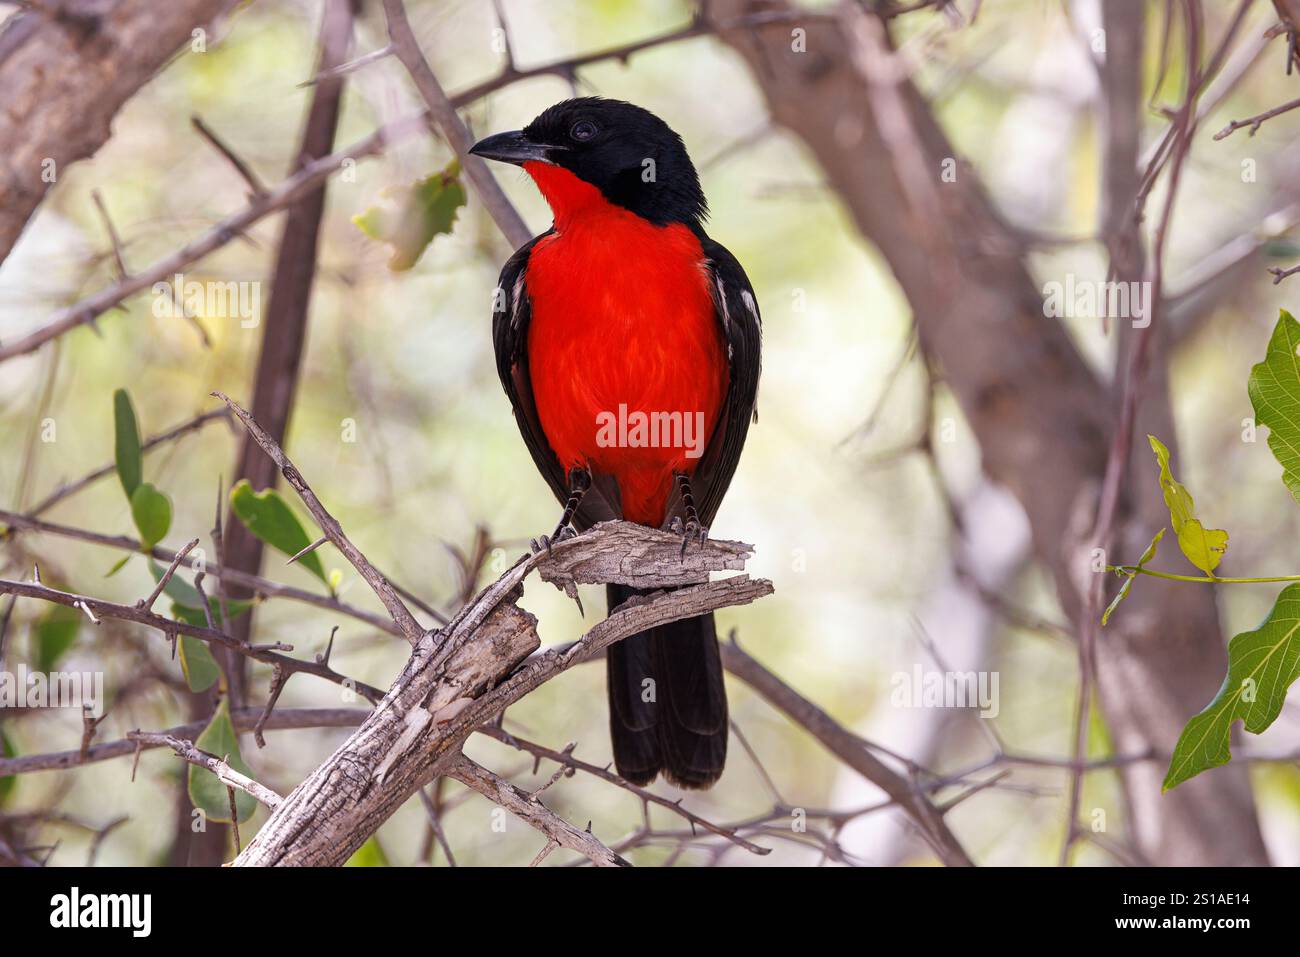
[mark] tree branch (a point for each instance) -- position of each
(531, 811)
(98, 608)
(463, 676)
(407, 50)
(293, 188)
(259, 586)
(243, 719)
(850, 749)
(402, 617)
(200, 758)
(64, 82)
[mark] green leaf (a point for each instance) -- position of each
(1274, 389)
(268, 516)
(1262, 664)
(206, 790)
(152, 511)
(369, 854)
(56, 631)
(414, 215)
(197, 664)
(1149, 554)
(187, 605)
(126, 442)
(8, 783)
(118, 566)
(1204, 547)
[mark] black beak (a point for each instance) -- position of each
(512, 147)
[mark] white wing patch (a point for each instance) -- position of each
(515, 299)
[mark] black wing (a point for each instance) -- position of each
(511, 314)
(742, 330)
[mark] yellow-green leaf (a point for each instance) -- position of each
(7, 783)
(1262, 665)
(55, 633)
(152, 511)
(1274, 389)
(413, 215)
(197, 664)
(1204, 547)
(187, 604)
(268, 516)
(369, 854)
(1149, 554)
(126, 442)
(206, 790)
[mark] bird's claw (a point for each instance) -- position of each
(691, 530)
(562, 534)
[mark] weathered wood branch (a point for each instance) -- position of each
(464, 675)
(203, 759)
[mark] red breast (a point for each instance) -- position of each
(623, 332)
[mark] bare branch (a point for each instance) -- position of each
(170, 628)
(565, 759)
(850, 749)
(255, 185)
(243, 719)
(407, 50)
(531, 811)
(64, 80)
(218, 766)
(401, 615)
(147, 603)
(1255, 122)
(223, 232)
(162, 438)
(260, 586)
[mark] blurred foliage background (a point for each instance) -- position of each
(849, 520)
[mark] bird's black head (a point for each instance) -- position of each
(630, 155)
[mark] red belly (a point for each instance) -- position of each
(624, 334)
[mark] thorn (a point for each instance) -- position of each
(309, 549)
(329, 648)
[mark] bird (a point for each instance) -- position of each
(629, 345)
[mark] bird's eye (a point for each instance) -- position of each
(583, 130)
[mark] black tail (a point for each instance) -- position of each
(667, 702)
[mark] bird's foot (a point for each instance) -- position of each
(579, 482)
(692, 530)
(561, 534)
